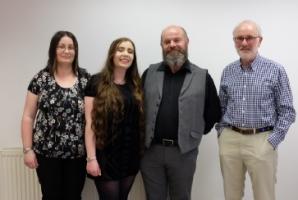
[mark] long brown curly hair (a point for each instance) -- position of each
(108, 102)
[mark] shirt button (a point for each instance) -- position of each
(244, 86)
(243, 111)
(243, 98)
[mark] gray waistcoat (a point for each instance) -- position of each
(191, 105)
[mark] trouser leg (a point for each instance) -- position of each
(180, 170)
(50, 175)
(153, 173)
(74, 174)
(261, 162)
(232, 165)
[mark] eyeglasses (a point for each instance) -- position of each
(248, 38)
(63, 48)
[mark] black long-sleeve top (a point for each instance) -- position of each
(167, 117)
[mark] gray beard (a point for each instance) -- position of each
(175, 58)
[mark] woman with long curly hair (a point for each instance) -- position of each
(114, 122)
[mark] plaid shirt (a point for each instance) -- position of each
(257, 97)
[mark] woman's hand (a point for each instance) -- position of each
(30, 160)
(93, 168)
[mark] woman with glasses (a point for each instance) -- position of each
(53, 122)
(114, 122)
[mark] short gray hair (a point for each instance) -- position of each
(247, 21)
(173, 26)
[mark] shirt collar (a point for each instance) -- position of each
(254, 63)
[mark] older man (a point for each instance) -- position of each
(181, 105)
(257, 108)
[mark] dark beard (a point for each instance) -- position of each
(175, 58)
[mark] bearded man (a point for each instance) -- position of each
(181, 105)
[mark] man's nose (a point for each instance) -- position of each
(244, 41)
(172, 44)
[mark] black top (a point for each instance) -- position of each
(60, 122)
(168, 116)
(120, 157)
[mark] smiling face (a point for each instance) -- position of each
(174, 42)
(65, 51)
(124, 55)
(247, 40)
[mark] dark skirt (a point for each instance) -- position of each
(116, 165)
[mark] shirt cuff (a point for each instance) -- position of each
(273, 141)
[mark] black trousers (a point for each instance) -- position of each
(61, 179)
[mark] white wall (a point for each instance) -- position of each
(27, 26)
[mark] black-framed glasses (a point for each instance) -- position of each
(248, 38)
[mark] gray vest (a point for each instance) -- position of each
(191, 105)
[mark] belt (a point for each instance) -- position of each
(251, 131)
(165, 142)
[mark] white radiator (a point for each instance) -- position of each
(17, 182)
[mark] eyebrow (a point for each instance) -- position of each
(60, 44)
(125, 47)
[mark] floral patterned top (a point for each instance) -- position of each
(60, 121)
